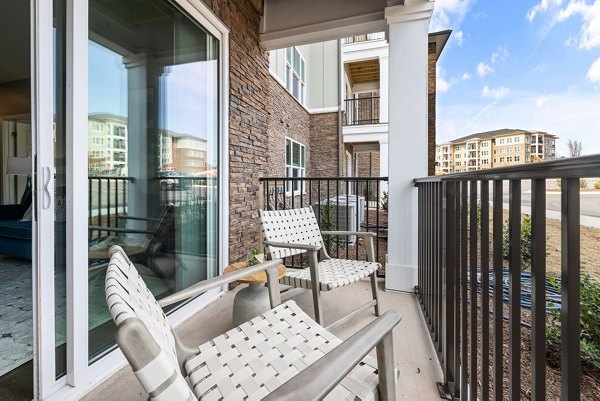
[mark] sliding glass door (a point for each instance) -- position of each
(127, 135)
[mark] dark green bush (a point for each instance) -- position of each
(590, 321)
(526, 236)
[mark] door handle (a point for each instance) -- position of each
(46, 195)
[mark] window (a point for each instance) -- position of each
(517, 158)
(527, 148)
(502, 160)
(295, 70)
(458, 156)
(294, 163)
(517, 139)
(501, 141)
(517, 149)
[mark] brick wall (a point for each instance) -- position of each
(324, 145)
(248, 96)
(364, 160)
(286, 118)
(431, 109)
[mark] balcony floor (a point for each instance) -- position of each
(414, 354)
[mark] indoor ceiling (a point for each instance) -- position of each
(14, 40)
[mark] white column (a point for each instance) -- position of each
(138, 153)
(408, 39)
(384, 89)
(383, 165)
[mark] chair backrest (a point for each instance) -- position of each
(128, 298)
(297, 226)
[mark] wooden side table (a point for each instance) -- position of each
(254, 299)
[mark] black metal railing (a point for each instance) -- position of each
(364, 38)
(458, 272)
(363, 110)
(108, 197)
(340, 203)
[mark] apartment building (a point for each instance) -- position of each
(499, 148)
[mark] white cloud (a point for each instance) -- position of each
(570, 41)
(442, 85)
(541, 101)
(500, 55)
(484, 69)
(494, 93)
(566, 114)
(459, 37)
(542, 7)
(448, 14)
(588, 12)
(466, 76)
(593, 74)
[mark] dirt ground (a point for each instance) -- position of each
(590, 240)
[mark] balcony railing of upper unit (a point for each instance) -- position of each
(339, 203)
(362, 111)
(364, 38)
(462, 248)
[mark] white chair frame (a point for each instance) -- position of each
(296, 231)
(162, 362)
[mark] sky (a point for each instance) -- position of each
(189, 92)
(526, 64)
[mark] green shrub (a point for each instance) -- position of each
(590, 321)
(328, 224)
(526, 236)
(384, 201)
(597, 185)
(583, 183)
(558, 182)
(368, 192)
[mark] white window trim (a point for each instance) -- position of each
(303, 169)
(302, 99)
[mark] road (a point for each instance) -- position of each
(589, 201)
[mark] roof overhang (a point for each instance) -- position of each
(288, 23)
(440, 39)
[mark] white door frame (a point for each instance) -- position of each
(80, 377)
(43, 225)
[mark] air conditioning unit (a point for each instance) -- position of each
(347, 215)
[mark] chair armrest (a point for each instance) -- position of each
(216, 282)
(120, 230)
(317, 380)
(357, 233)
(306, 247)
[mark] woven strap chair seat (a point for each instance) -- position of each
(250, 361)
(333, 273)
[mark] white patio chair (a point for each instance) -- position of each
(280, 355)
(296, 231)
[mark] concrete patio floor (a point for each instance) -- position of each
(414, 354)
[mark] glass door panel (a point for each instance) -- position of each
(153, 145)
(16, 303)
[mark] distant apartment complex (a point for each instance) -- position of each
(500, 148)
(108, 148)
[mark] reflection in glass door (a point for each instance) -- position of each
(16, 316)
(153, 142)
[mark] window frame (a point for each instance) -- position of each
(290, 73)
(290, 188)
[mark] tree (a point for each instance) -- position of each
(574, 147)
